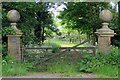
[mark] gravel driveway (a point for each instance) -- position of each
(56, 75)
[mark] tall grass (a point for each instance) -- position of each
(0, 64)
(58, 68)
(13, 70)
(0, 59)
(65, 69)
(107, 70)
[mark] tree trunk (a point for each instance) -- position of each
(79, 36)
(90, 10)
(88, 36)
(106, 4)
(69, 36)
(43, 37)
(94, 29)
(38, 28)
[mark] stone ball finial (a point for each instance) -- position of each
(105, 15)
(13, 16)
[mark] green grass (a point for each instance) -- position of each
(0, 68)
(107, 71)
(69, 44)
(0, 61)
(65, 70)
(58, 68)
(65, 43)
(13, 70)
(69, 74)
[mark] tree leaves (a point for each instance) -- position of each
(30, 20)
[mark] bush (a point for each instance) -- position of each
(51, 44)
(93, 63)
(46, 44)
(4, 50)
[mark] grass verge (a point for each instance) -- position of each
(13, 70)
(58, 68)
(107, 71)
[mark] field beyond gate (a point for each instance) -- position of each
(64, 55)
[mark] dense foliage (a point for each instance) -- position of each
(84, 17)
(93, 63)
(36, 22)
(79, 20)
(81, 16)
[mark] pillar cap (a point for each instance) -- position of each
(13, 16)
(105, 15)
(18, 32)
(105, 31)
(105, 34)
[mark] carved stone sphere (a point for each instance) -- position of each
(13, 16)
(105, 15)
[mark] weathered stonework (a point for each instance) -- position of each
(104, 44)
(14, 40)
(104, 34)
(18, 32)
(104, 38)
(14, 46)
(13, 16)
(105, 15)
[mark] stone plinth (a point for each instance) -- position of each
(104, 38)
(14, 46)
(104, 44)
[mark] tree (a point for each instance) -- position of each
(115, 25)
(35, 22)
(35, 18)
(85, 17)
(80, 17)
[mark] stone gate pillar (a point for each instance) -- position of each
(14, 46)
(14, 39)
(104, 34)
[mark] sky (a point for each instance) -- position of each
(113, 4)
(60, 8)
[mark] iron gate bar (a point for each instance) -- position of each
(62, 52)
